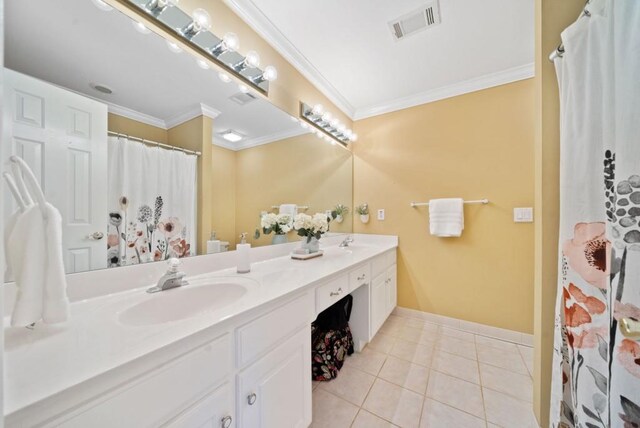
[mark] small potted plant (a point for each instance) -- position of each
(363, 211)
(340, 211)
(311, 229)
(279, 224)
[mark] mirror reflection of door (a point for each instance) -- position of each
(50, 127)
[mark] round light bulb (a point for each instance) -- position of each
(102, 5)
(304, 125)
(203, 64)
(342, 129)
(243, 88)
(224, 77)
(354, 136)
(348, 133)
(173, 47)
(252, 59)
(327, 117)
(231, 41)
(140, 27)
(270, 73)
(201, 19)
(318, 110)
(334, 123)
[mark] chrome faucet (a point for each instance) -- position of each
(348, 240)
(171, 279)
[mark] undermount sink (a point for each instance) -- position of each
(183, 302)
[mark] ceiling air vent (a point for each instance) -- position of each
(411, 23)
(242, 98)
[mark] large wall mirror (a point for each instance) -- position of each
(143, 149)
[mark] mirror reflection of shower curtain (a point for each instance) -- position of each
(151, 195)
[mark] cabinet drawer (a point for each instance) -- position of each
(260, 334)
(359, 276)
(331, 292)
(391, 257)
(379, 265)
(158, 396)
(214, 410)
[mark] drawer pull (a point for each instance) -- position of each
(226, 422)
(251, 399)
(363, 276)
(336, 293)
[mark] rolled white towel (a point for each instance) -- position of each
(291, 209)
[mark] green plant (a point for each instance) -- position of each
(363, 209)
(341, 209)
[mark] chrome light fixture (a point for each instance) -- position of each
(194, 31)
(201, 22)
(325, 126)
(156, 7)
(229, 43)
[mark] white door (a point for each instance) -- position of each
(275, 392)
(63, 138)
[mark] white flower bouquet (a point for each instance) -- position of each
(280, 224)
(311, 227)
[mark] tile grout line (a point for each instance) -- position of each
(484, 405)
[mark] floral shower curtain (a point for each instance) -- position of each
(151, 195)
(596, 370)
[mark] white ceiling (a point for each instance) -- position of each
(71, 43)
(346, 48)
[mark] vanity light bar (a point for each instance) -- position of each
(194, 31)
(326, 125)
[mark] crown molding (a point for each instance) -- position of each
(254, 17)
(258, 141)
(510, 75)
(201, 110)
(135, 115)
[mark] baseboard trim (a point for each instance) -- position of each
(516, 337)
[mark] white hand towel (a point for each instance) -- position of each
(446, 217)
(291, 209)
(34, 252)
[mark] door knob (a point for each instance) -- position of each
(96, 236)
(251, 399)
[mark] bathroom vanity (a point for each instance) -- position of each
(227, 350)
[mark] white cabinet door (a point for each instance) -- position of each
(392, 290)
(378, 302)
(275, 392)
(62, 136)
(213, 411)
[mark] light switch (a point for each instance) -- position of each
(523, 215)
(381, 214)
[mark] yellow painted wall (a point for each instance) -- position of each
(223, 184)
(131, 127)
(552, 17)
(478, 145)
(300, 170)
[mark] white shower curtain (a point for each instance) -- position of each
(596, 370)
(151, 202)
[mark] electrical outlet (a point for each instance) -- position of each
(381, 214)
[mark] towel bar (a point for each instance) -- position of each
(426, 204)
(300, 207)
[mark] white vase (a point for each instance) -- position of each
(364, 218)
(313, 244)
(279, 239)
(339, 218)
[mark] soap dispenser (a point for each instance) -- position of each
(244, 257)
(213, 244)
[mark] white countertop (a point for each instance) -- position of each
(52, 358)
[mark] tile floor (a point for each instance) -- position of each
(417, 374)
